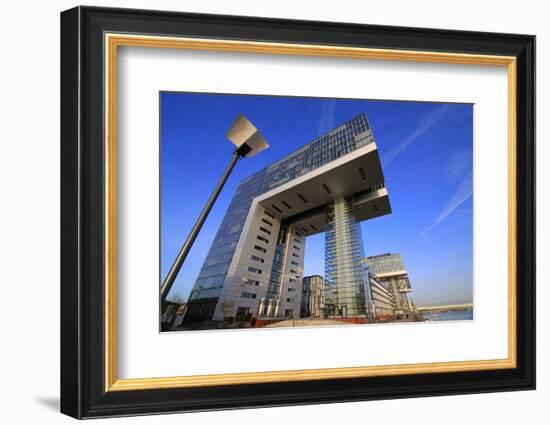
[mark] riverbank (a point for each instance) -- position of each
(443, 316)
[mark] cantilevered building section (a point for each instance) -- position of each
(254, 268)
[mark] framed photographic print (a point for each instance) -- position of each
(261, 212)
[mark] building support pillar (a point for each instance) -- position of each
(347, 288)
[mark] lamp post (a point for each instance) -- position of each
(248, 142)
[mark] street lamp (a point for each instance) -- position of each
(248, 142)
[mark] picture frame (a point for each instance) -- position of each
(90, 40)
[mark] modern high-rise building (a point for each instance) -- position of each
(313, 296)
(390, 271)
(255, 265)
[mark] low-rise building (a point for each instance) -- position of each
(382, 300)
(313, 296)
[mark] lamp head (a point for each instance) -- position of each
(246, 137)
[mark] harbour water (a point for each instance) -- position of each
(449, 315)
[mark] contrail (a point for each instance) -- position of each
(326, 121)
(426, 123)
(463, 192)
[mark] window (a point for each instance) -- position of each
(291, 289)
(291, 279)
(261, 238)
(259, 248)
(296, 247)
(286, 204)
(362, 174)
(295, 255)
(294, 263)
(254, 270)
(248, 295)
(297, 240)
(269, 223)
(277, 208)
(290, 300)
(298, 234)
(269, 214)
(263, 229)
(293, 271)
(252, 282)
(258, 259)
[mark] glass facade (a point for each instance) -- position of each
(340, 141)
(278, 263)
(346, 289)
(385, 263)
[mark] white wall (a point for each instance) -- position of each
(29, 222)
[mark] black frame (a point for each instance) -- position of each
(82, 202)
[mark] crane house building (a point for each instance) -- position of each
(254, 268)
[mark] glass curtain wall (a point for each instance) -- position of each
(346, 289)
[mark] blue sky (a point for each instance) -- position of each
(426, 154)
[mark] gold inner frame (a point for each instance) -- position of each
(113, 41)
